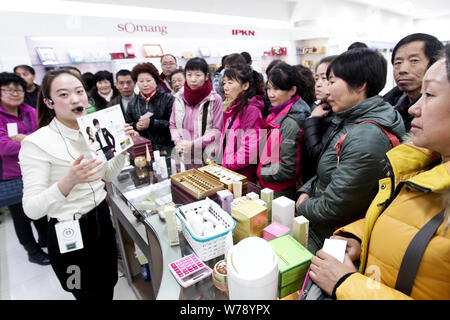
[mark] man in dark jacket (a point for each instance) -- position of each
(168, 64)
(125, 85)
(28, 74)
(411, 58)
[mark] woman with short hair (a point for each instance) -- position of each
(353, 157)
(153, 99)
(197, 116)
(104, 90)
(14, 112)
(231, 59)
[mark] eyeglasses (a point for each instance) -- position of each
(11, 91)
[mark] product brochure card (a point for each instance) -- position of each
(104, 132)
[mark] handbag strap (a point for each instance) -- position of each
(227, 130)
(414, 252)
(393, 140)
(205, 116)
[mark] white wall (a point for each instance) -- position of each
(14, 51)
(348, 22)
(270, 9)
(344, 22)
(438, 27)
(102, 33)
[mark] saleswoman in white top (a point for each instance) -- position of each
(63, 180)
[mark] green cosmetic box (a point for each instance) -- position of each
(293, 264)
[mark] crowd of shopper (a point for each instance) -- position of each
(326, 140)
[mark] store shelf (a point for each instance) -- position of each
(136, 60)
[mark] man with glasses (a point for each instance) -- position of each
(168, 64)
(125, 85)
(28, 74)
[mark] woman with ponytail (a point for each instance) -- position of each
(279, 167)
(242, 120)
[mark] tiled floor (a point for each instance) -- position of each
(22, 280)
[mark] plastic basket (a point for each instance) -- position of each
(206, 247)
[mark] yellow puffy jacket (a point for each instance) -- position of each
(406, 200)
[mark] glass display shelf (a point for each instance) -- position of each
(134, 197)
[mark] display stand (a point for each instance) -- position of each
(148, 232)
(130, 233)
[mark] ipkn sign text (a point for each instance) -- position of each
(239, 32)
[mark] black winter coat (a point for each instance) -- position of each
(401, 103)
(315, 134)
(161, 107)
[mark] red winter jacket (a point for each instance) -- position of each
(240, 150)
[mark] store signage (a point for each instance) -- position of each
(131, 27)
(239, 32)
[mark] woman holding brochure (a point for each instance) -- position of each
(63, 181)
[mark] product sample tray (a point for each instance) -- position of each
(197, 183)
(225, 176)
(179, 196)
(207, 247)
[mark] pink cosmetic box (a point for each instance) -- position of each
(274, 230)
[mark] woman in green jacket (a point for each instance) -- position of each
(346, 183)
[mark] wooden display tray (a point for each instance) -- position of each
(229, 183)
(179, 196)
(198, 184)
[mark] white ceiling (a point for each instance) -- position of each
(417, 9)
(283, 9)
(265, 9)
